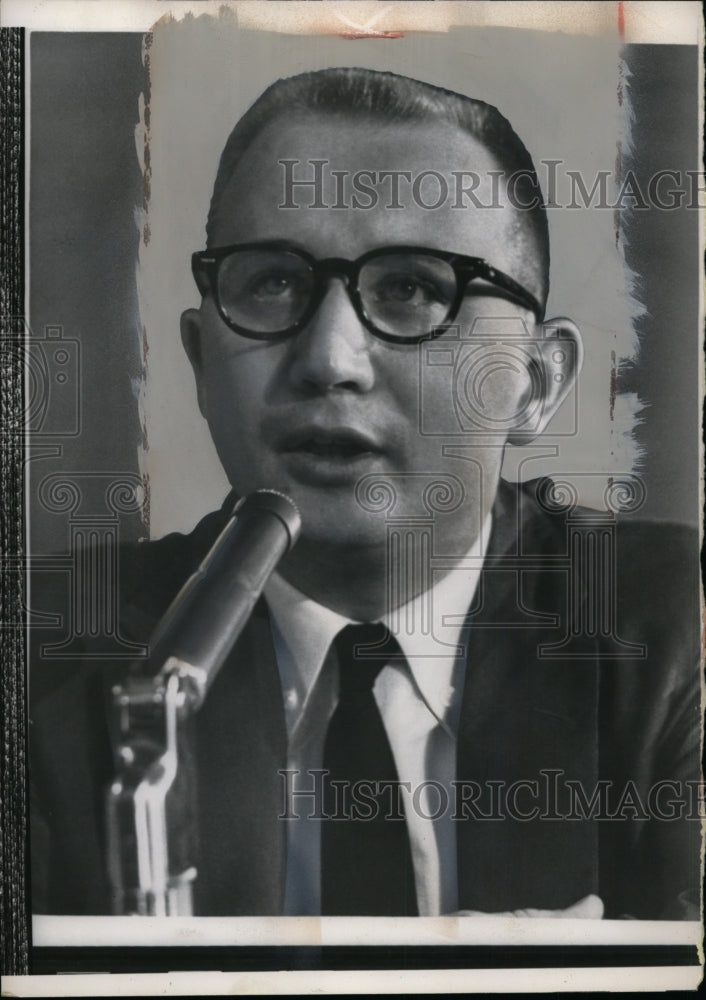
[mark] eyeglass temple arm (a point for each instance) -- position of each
(482, 269)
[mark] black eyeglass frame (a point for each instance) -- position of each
(205, 265)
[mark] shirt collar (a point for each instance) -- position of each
(306, 627)
(428, 628)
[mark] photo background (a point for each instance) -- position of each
(110, 247)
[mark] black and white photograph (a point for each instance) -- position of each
(354, 360)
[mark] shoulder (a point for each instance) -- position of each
(125, 600)
(641, 577)
(544, 514)
(151, 573)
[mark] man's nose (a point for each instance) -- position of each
(333, 350)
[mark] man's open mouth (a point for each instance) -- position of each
(334, 444)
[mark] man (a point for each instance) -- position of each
(359, 220)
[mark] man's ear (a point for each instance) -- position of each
(558, 350)
(191, 339)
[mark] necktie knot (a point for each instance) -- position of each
(362, 651)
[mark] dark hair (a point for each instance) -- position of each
(367, 93)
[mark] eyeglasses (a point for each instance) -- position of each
(401, 294)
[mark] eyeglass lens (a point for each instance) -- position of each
(402, 294)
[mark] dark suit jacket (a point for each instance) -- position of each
(583, 666)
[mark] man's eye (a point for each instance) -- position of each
(407, 290)
(272, 286)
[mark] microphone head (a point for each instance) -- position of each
(272, 502)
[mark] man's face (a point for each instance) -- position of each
(312, 414)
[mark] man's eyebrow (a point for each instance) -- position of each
(284, 242)
(271, 241)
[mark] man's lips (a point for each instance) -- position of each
(329, 442)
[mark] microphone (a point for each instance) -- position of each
(202, 623)
(151, 803)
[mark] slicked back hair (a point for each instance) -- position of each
(367, 94)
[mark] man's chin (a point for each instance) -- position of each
(343, 531)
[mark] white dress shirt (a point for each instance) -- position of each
(419, 704)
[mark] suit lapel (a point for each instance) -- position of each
(524, 719)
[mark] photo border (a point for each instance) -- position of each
(17, 949)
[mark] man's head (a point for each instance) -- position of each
(315, 377)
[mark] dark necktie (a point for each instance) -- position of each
(366, 860)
